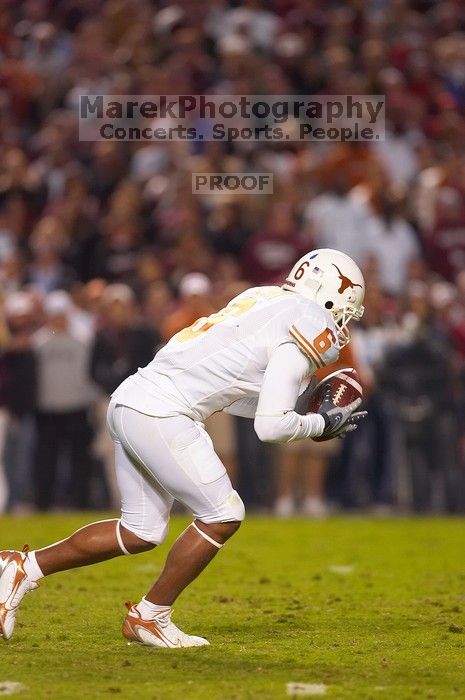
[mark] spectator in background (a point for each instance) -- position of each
(4, 386)
(157, 301)
(445, 241)
(20, 389)
(334, 219)
(390, 241)
(227, 232)
(252, 19)
(122, 344)
(364, 477)
(64, 396)
(115, 254)
(17, 179)
(47, 271)
(12, 272)
(302, 467)
(8, 236)
(269, 252)
(398, 152)
(48, 49)
(194, 302)
(77, 209)
(108, 168)
(417, 376)
(457, 317)
(149, 270)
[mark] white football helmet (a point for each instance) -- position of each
(332, 280)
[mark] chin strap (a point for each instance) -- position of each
(120, 539)
(206, 537)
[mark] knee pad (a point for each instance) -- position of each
(231, 509)
(155, 536)
(235, 507)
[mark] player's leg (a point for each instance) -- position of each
(145, 508)
(149, 622)
(190, 469)
(182, 455)
(145, 511)
(91, 544)
(188, 557)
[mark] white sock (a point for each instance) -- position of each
(149, 610)
(31, 567)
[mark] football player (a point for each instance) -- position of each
(249, 359)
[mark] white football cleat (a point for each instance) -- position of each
(4, 556)
(159, 632)
(14, 584)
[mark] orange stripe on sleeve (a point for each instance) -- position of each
(310, 345)
(306, 347)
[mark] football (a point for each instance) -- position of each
(345, 386)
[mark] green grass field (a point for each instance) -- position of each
(391, 624)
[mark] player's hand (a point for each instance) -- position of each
(351, 424)
(339, 420)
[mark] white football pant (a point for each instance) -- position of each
(160, 459)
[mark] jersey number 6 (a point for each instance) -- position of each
(324, 340)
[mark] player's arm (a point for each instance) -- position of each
(317, 340)
(275, 419)
(245, 408)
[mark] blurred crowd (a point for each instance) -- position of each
(105, 252)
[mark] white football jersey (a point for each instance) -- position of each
(222, 358)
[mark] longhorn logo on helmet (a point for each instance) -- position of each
(345, 281)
